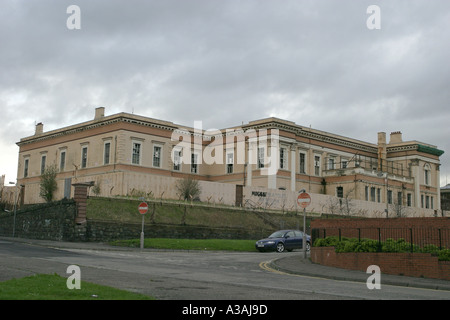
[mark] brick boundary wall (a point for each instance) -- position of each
(405, 264)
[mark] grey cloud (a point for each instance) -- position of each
(224, 62)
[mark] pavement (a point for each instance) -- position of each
(292, 263)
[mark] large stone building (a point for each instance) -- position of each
(125, 153)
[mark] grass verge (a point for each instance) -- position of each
(54, 287)
(190, 244)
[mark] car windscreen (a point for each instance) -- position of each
(278, 234)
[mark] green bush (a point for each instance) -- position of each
(444, 255)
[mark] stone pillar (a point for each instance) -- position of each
(80, 197)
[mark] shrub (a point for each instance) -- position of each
(370, 245)
(48, 183)
(444, 255)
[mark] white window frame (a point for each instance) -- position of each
(304, 171)
(284, 156)
(229, 166)
(108, 142)
(260, 157)
(317, 164)
(159, 157)
(43, 162)
(84, 160)
(331, 163)
(177, 157)
(62, 160)
(139, 154)
(194, 163)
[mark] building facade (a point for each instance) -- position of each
(126, 153)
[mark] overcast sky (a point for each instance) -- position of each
(225, 62)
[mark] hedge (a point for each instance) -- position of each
(370, 245)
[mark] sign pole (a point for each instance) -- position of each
(304, 200)
(304, 232)
(142, 233)
(142, 208)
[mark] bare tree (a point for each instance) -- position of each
(188, 188)
(347, 204)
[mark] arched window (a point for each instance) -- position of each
(427, 174)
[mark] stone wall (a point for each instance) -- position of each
(55, 221)
(109, 231)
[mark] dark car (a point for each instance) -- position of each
(283, 240)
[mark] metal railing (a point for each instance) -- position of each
(386, 239)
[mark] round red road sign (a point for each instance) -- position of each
(304, 199)
(143, 208)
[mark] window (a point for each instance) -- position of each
(84, 155)
(344, 164)
(422, 201)
(43, 160)
(330, 163)
(409, 200)
(366, 193)
(340, 192)
(177, 160)
(283, 158)
(136, 155)
(427, 170)
(372, 194)
(317, 165)
(302, 162)
(378, 194)
(194, 163)
(230, 161)
(106, 153)
(157, 156)
(427, 202)
(399, 198)
(431, 203)
(25, 168)
(260, 158)
(62, 161)
(290, 234)
(389, 196)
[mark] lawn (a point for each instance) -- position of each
(191, 244)
(54, 287)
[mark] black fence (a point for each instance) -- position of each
(385, 239)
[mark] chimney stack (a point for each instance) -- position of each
(99, 113)
(396, 137)
(382, 151)
(39, 128)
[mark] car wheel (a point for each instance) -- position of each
(308, 246)
(280, 247)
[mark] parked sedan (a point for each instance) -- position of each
(283, 240)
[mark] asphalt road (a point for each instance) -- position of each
(192, 275)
